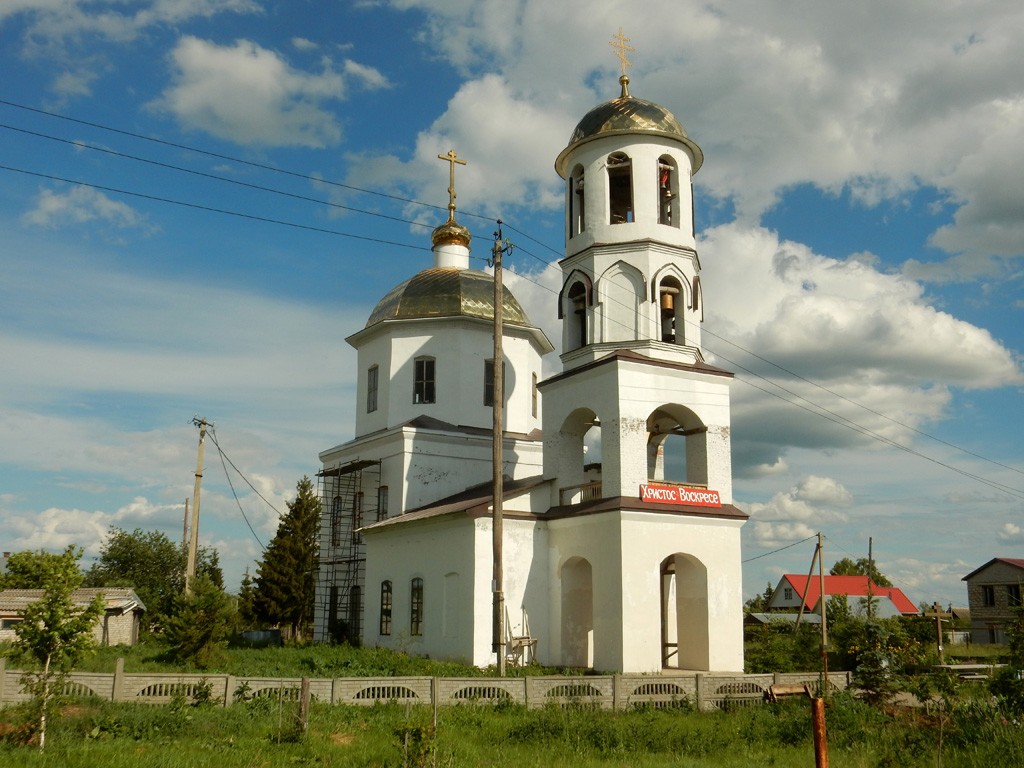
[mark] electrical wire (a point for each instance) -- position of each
(814, 408)
(223, 458)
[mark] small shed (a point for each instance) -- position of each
(119, 624)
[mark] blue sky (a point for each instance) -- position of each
(255, 175)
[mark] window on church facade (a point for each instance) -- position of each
(489, 381)
(336, 521)
(371, 388)
(382, 503)
(669, 293)
(416, 608)
(668, 192)
(534, 395)
(620, 188)
(577, 220)
(578, 305)
(423, 381)
(385, 608)
(357, 518)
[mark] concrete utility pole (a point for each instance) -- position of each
(193, 541)
(497, 458)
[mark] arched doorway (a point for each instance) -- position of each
(577, 613)
(685, 643)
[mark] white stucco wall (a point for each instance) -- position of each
(459, 347)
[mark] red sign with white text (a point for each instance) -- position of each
(680, 494)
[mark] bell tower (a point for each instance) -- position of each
(631, 271)
(631, 308)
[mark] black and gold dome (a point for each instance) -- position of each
(446, 292)
(628, 115)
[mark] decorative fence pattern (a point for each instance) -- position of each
(706, 691)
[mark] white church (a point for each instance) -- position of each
(624, 562)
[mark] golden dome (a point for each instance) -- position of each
(628, 115)
(446, 292)
(451, 233)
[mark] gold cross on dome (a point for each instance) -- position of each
(621, 45)
(451, 158)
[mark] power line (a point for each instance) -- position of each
(211, 209)
(821, 410)
(223, 458)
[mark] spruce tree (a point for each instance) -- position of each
(286, 576)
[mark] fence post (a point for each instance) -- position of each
(117, 690)
(700, 692)
(230, 683)
(3, 676)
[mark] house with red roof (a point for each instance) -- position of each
(993, 594)
(794, 590)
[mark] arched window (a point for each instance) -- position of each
(620, 188)
(578, 303)
(385, 608)
(371, 388)
(489, 381)
(577, 209)
(669, 295)
(416, 608)
(668, 192)
(424, 390)
(357, 518)
(336, 509)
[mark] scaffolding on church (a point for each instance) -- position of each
(350, 497)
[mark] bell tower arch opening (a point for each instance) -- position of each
(576, 202)
(620, 188)
(668, 192)
(670, 296)
(677, 446)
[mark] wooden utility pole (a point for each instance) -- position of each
(871, 570)
(498, 458)
(824, 624)
(193, 540)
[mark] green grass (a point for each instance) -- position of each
(293, 661)
(264, 733)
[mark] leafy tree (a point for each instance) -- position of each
(28, 569)
(54, 633)
(860, 567)
(286, 576)
(759, 603)
(201, 623)
(151, 564)
(779, 646)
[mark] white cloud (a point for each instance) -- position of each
(880, 355)
(880, 104)
(248, 94)
(1011, 533)
(506, 166)
(80, 205)
(54, 25)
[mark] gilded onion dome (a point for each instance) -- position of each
(446, 292)
(628, 115)
(451, 233)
